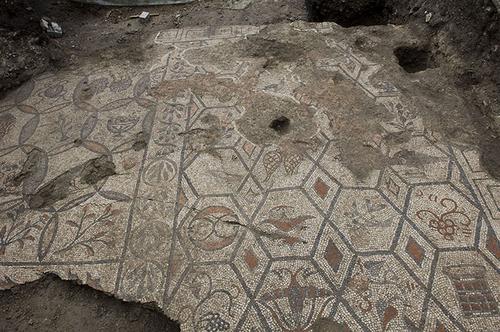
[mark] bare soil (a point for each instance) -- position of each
(52, 304)
(93, 33)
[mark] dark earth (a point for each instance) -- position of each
(52, 304)
(461, 37)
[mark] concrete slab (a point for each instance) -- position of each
(166, 181)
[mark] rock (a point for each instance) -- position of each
(145, 17)
(52, 29)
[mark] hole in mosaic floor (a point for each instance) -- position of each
(52, 304)
(414, 59)
(349, 13)
(281, 125)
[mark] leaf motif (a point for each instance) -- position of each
(77, 201)
(160, 171)
(38, 161)
(271, 161)
(88, 126)
(99, 235)
(116, 104)
(29, 129)
(142, 85)
(27, 109)
(2, 231)
(96, 147)
(47, 236)
(24, 92)
(56, 108)
(389, 314)
(291, 162)
(114, 196)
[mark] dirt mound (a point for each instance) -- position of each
(52, 304)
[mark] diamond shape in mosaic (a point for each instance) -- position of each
(207, 296)
(331, 163)
(332, 255)
(211, 232)
(278, 298)
(248, 151)
(365, 218)
(445, 216)
(493, 244)
(469, 288)
(250, 260)
(415, 251)
(420, 161)
(287, 224)
(218, 172)
(281, 167)
(383, 295)
(393, 187)
(321, 189)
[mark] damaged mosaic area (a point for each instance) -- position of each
(166, 182)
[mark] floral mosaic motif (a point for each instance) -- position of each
(201, 286)
(18, 230)
(381, 291)
(55, 235)
(296, 306)
(85, 226)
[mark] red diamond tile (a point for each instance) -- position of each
(493, 245)
(321, 188)
(333, 256)
(415, 251)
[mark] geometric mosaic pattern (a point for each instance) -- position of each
(228, 234)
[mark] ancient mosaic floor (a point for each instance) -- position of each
(153, 181)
